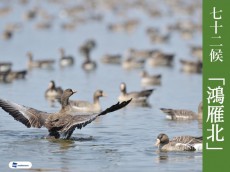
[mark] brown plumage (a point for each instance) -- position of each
(191, 66)
(65, 60)
(136, 96)
(5, 66)
(46, 63)
(59, 124)
(181, 143)
(53, 92)
(182, 114)
(147, 79)
(85, 106)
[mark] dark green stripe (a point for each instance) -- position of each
(216, 160)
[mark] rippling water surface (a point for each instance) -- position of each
(120, 141)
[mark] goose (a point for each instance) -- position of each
(5, 77)
(86, 106)
(111, 59)
(160, 59)
(133, 63)
(88, 64)
(127, 26)
(31, 14)
(17, 74)
(191, 66)
(197, 51)
(144, 54)
(138, 96)
(60, 124)
(8, 75)
(43, 25)
(181, 143)
(5, 66)
(159, 38)
(46, 63)
(53, 92)
(182, 114)
(147, 79)
(90, 44)
(65, 60)
(7, 34)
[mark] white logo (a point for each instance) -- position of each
(20, 164)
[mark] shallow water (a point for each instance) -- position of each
(120, 141)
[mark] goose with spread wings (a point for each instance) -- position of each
(60, 124)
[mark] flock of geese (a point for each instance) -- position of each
(78, 113)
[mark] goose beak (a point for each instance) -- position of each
(157, 142)
(74, 91)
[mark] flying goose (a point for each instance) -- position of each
(60, 124)
(138, 96)
(86, 106)
(181, 143)
(182, 114)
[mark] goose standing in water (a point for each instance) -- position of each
(182, 114)
(133, 63)
(5, 66)
(147, 79)
(181, 143)
(9, 76)
(46, 63)
(137, 97)
(197, 52)
(88, 64)
(53, 92)
(191, 66)
(86, 106)
(160, 59)
(111, 59)
(60, 124)
(65, 60)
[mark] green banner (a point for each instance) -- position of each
(216, 85)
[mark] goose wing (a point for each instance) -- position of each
(187, 139)
(144, 93)
(79, 121)
(30, 117)
(184, 147)
(181, 143)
